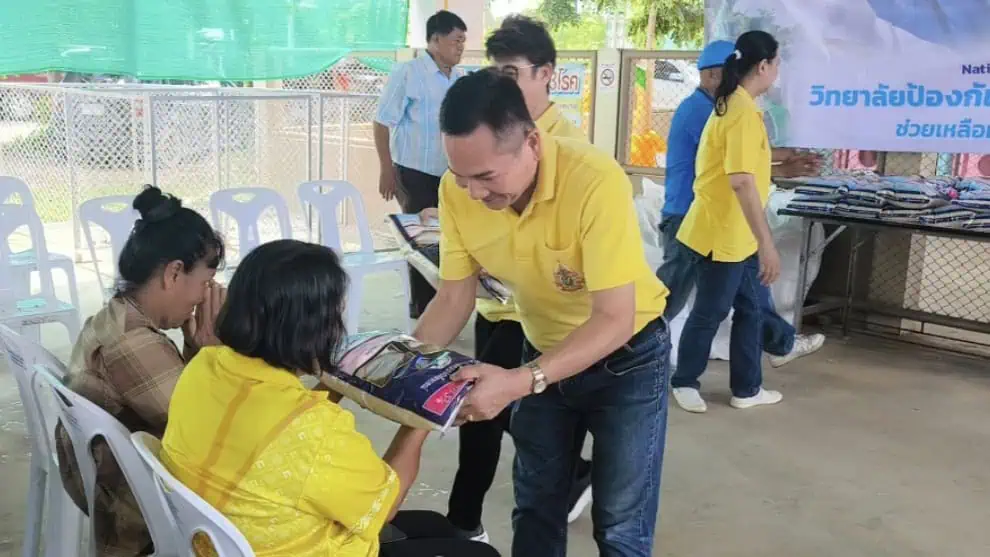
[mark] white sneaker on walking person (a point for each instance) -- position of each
(690, 399)
(762, 398)
(803, 345)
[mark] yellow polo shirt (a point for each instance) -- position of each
(578, 235)
(734, 143)
(554, 123)
(283, 463)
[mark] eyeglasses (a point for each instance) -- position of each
(512, 71)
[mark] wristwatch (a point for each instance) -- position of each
(539, 379)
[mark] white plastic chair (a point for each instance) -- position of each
(63, 527)
(115, 215)
(23, 263)
(245, 206)
(325, 197)
(84, 422)
(192, 515)
(25, 310)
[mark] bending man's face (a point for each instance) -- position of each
(495, 170)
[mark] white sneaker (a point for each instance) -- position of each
(482, 537)
(690, 399)
(761, 398)
(803, 345)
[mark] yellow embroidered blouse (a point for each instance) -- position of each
(283, 463)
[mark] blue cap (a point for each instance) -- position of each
(714, 54)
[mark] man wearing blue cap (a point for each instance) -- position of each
(679, 267)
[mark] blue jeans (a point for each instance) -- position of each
(679, 271)
(622, 401)
(724, 286)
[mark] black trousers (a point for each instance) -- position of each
(416, 191)
(429, 534)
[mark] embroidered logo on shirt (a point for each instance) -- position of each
(566, 279)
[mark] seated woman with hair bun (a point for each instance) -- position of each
(124, 362)
(285, 464)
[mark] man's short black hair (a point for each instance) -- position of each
(285, 305)
(442, 23)
(485, 97)
(520, 36)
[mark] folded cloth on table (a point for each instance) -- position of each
(980, 222)
(857, 211)
(901, 215)
(823, 192)
(811, 204)
(399, 378)
(417, 246)
(950, 215)
(863, 198)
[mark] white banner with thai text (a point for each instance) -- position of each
(885, 75)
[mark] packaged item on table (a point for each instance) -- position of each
(401, 379)
(420, 244)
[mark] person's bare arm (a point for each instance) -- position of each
(382, 135)
(781, 154)
(448, 312)
(403, 456)
(744, 186)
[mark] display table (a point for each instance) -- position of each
(977, 319)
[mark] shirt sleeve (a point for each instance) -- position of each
(742, 152)
(455, 261)
(349, 483)
(144, 368)
(611, 243)
(394, 100)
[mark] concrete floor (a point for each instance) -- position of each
(878, 449)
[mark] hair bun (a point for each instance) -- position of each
(155, 206)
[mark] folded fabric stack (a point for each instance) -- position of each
(931, 201)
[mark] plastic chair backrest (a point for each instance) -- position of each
(21, 356)
(326, 197)
(115, 215)
(84, 422)
(192, 515)
(13, 217)
(10, 186)
(245, 206)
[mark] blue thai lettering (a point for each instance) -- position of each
(974, 96)
(955, 98)
(866, 97)
(965, 128)
(928, 130)
(914, 130)
(902, 129)
(833, 97)
(916, 94)
(946, 130)
(934, 98)
(898, 97)
(880, 95)
(979, 131)
(850, 97)
(817, 95)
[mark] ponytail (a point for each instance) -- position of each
(752, 47)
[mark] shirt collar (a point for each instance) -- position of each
(433, 67)
(550, 117)
(705, 94)
(253, 369)
(546, 178)
(748, 101)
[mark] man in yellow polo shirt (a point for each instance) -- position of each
(521, 48)
(554, 220)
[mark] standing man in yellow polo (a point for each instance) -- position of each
(554, 220)
(727, 225)
(521, 48)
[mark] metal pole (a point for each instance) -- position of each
(345, 136)
(73, 184)
(309, 139)
(217, 144)
(154, 141)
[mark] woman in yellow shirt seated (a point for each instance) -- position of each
(727, 224)
(282, 462)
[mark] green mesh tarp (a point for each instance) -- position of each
(194, 39)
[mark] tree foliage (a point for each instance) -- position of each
(681, 21)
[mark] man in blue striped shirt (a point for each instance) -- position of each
(407, 128)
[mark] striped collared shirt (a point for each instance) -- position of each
(410, 106)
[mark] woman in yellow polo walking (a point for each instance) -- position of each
(727, 224)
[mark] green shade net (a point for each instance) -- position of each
(194, 39)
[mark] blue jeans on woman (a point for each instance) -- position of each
(679, 272)
(622, 402)
(721, 287)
